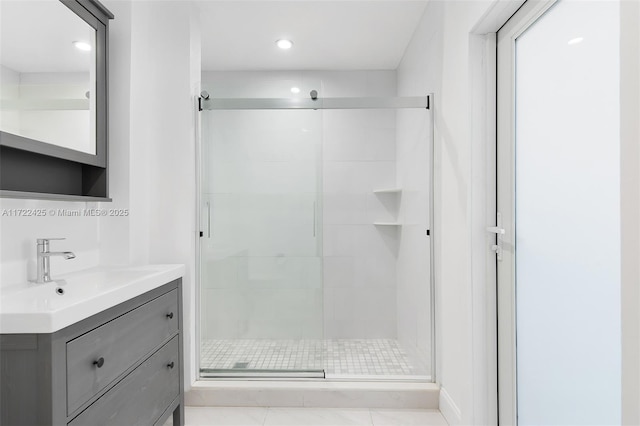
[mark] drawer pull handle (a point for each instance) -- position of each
(170, 315)
(170, 365)
(99, 362)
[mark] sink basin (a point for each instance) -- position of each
(49, 307)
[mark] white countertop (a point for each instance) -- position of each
(38, 308)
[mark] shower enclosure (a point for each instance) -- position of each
(305, 257)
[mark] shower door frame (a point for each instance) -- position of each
(206, 103)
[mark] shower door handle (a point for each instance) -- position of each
(208, 219)
(314, 219)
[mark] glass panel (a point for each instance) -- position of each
(413, 156)
(568, 216)
(377, 272)
(261, 255)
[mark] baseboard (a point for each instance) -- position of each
(449, 409)
(313, 394)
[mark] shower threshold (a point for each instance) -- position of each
(312, 393)
(213, 373)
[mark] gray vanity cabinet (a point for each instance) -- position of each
(120, 367)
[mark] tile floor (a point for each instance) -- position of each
(232, 416)
(336, 356)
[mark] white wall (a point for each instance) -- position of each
(438, 61)
(164, 54)
(155, 48)
(18, 234)
(114, 232)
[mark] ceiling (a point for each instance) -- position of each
(327, 35)
(236, 34)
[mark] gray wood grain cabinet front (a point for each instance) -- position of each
(121, 367)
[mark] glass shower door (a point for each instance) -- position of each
(261, 303)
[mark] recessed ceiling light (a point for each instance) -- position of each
(575, 40)
(284, 44)
(295, 90)
(81, 45)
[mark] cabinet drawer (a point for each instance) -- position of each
(117, 345)
(142, 396)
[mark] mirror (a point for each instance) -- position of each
(48, 75)
(53, 99)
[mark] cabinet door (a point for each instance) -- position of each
(142, 396)
(100, 356)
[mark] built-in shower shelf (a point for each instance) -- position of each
(387, 191)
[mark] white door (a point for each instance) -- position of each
(559, 199)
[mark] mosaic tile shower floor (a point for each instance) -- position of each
(350, 357)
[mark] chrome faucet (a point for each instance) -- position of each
(44, 269)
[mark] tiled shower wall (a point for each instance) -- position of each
(359, 257)
(262, 295)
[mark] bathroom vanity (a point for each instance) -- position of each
(119, 366)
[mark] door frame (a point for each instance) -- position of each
(630, 222)
(526, 16)
(484, 407)
(205, 103)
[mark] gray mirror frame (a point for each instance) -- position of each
(96, 16)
